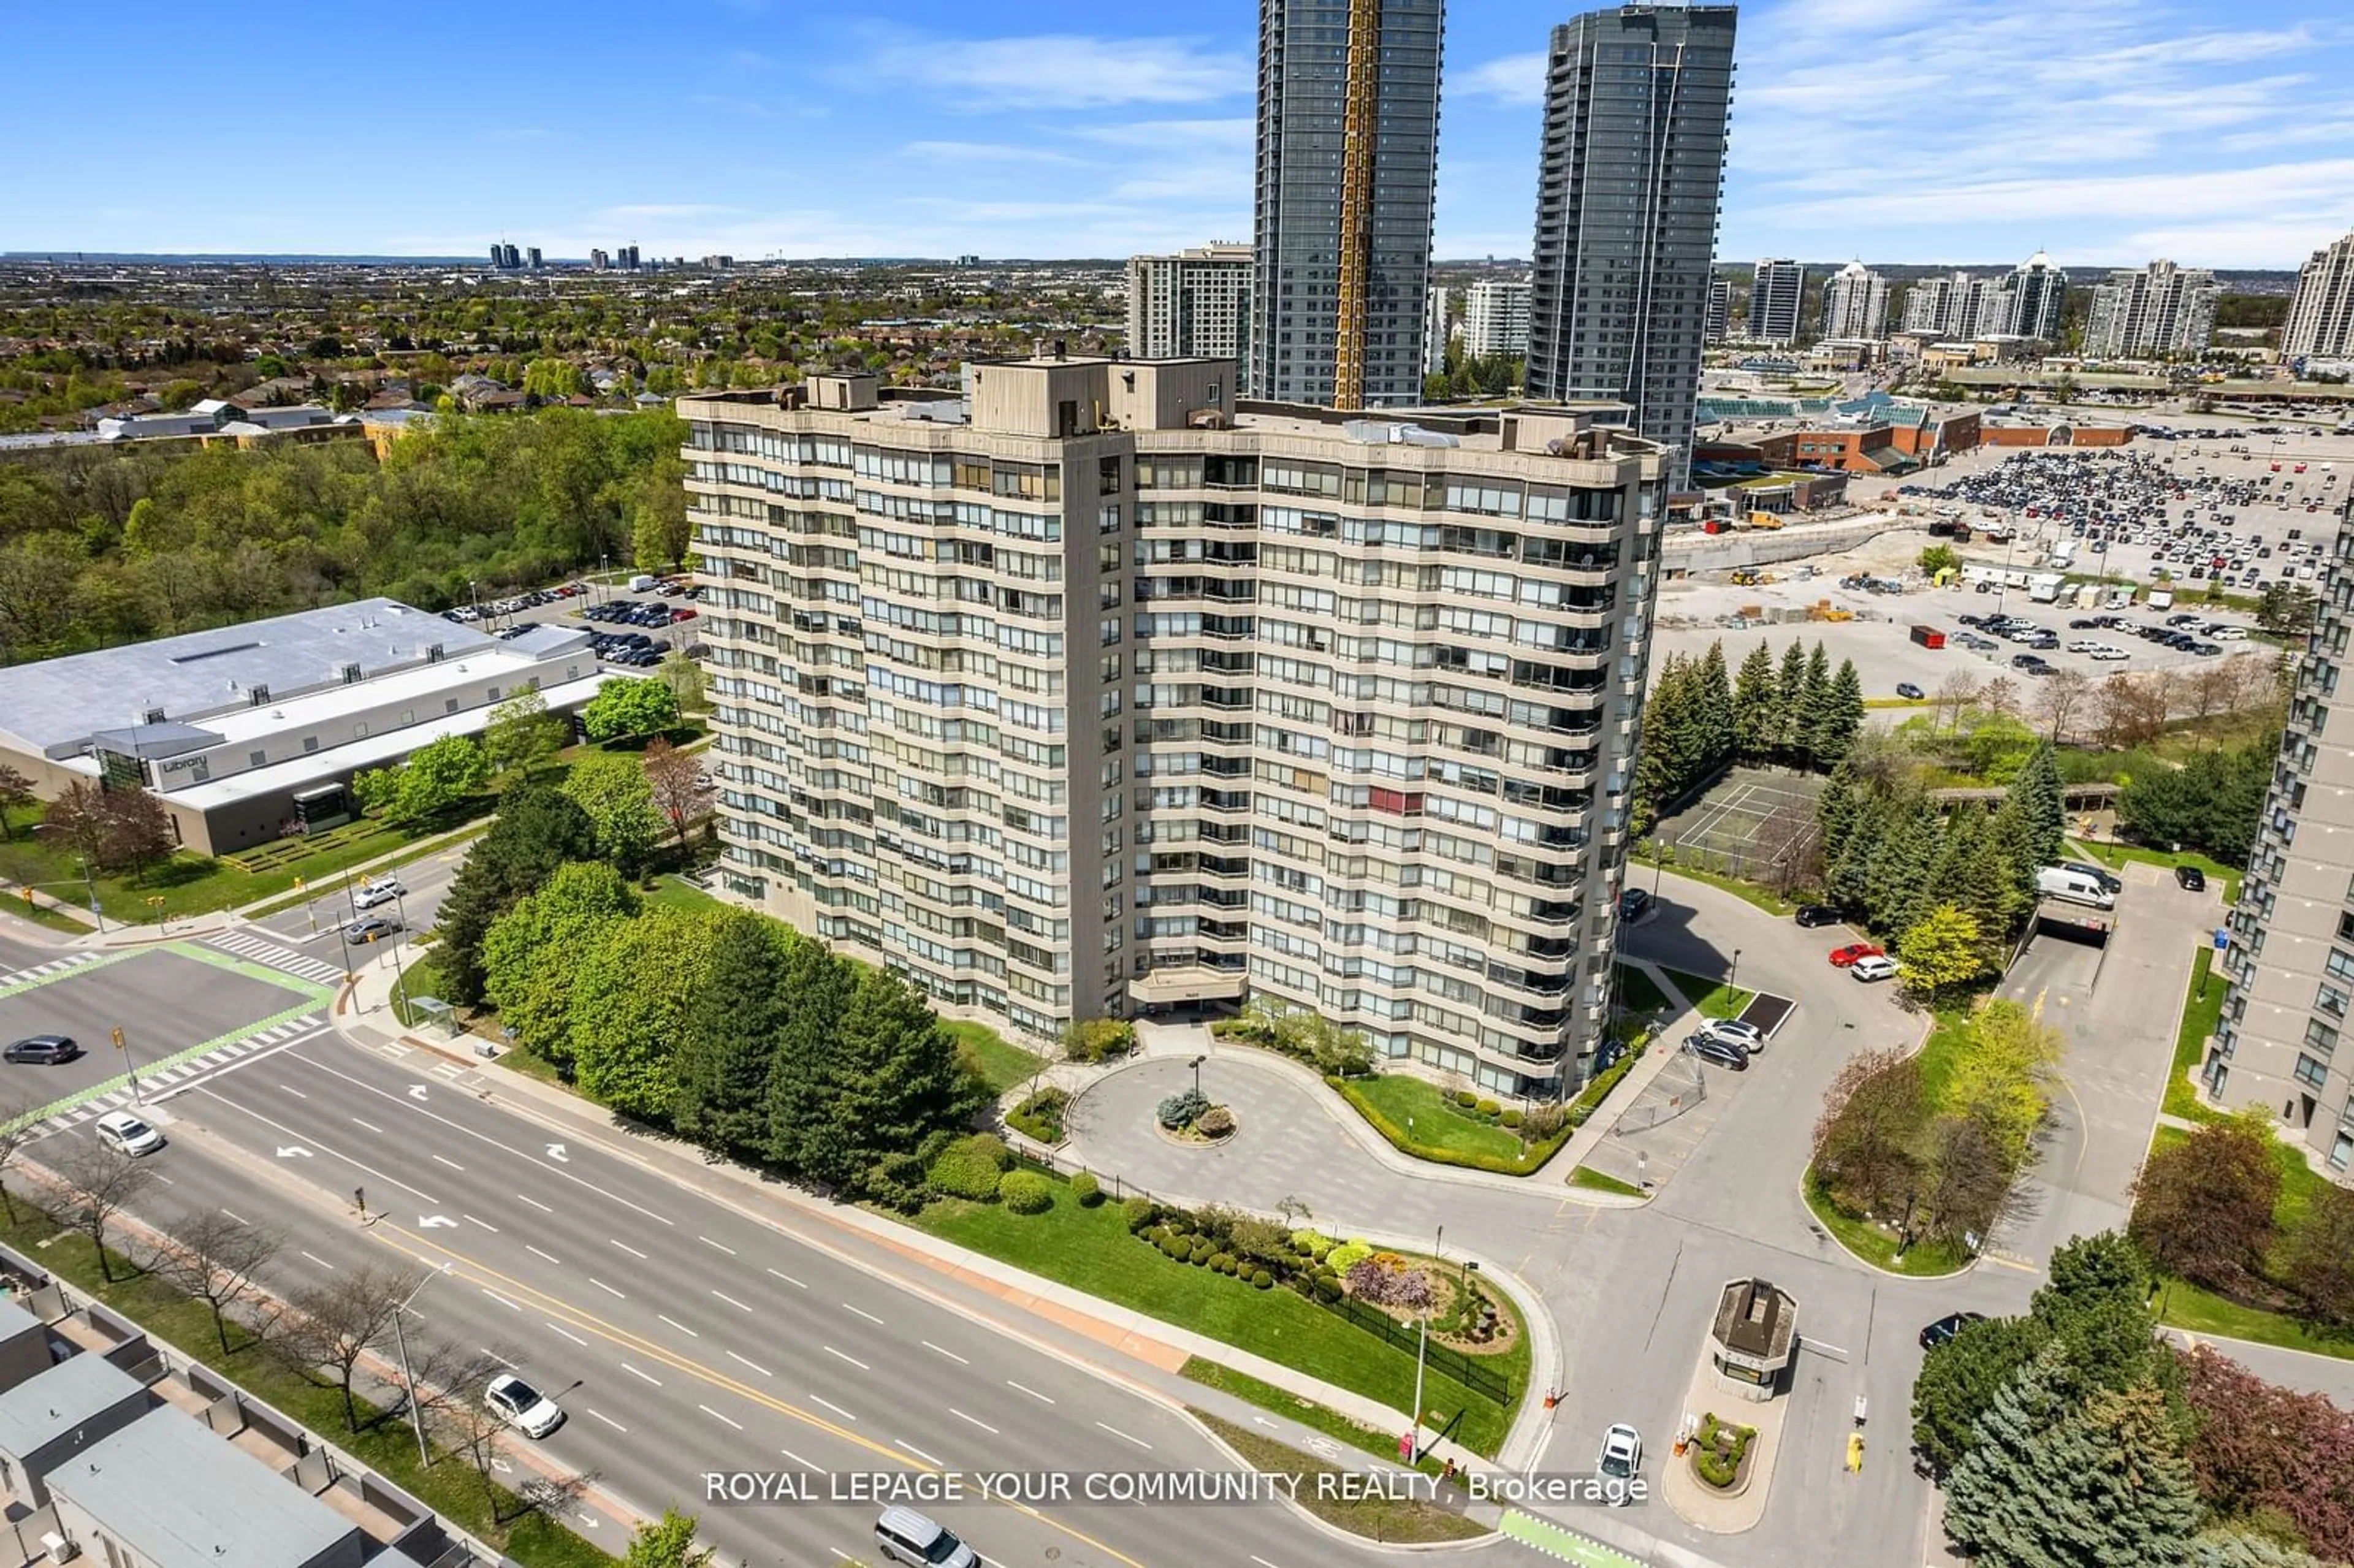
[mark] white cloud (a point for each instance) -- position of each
(1058, 70)
(1512, 79)
(1236, 134)
(983, 152)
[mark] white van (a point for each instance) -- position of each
(903, 1535)
(642, 583)
(2074, 887)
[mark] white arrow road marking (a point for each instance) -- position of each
(435, 1222)
(984, 1426)
(417, 1091)
(590, 1519)
(294, 1151)
(556, 1153)
(502, 1466)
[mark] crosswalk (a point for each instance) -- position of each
(177, 1074)
(277, 956)
(47, 971)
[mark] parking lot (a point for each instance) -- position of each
(631, 629)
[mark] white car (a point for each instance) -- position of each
(1622, 1458)
(2084, 645)
(378, 890)
(1748, 1036)
(522, 1407)
(1874, 968)
(126, 1134)
(2110, 651)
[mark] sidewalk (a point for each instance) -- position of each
(1587, 1139)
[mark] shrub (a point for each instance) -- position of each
(1387, 1281)
(1183, 1108)
(1342, 1258)
(897, 1182)
(1590, 1098)
(1262, 1280)
(1215, 1122)
(1098, 1039)
(1491, 1109)
(1173, 1246)
(972, 1166)
(1223, 1262)
(1715, 1469)
(1026, 1191)
(1511, 1116)
(1467, 1098)
(1326, 1287)
(1312, 1243)
(1085, 1190)
(1201, 1247)
(1541, 1122)
(1040, 1115)
(1139, 1213)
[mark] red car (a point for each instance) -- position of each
(1843, 957)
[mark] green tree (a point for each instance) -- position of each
(666, 1542)
(1939, 559)
(814, 995)
(630, 1004)
(1842, 716)
(624, 705)
(2037, 789)
(1812, 725)
(531, 953)
(683, 676)
(612, 788)
(436, 777)
(731, 1036)
(896, 1077)
(2285, 609)
(1998, 1077)
(1940, 951)
(2204, 1205)
(536, 831)
(1754, 720)
(1715, 712)
(2319, 1261)
(2052, 1484)
(1790, 700)
(15, 790)
(1961, 1378)
(661, 532)
(522, 733)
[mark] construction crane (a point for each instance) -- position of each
(1359, 124)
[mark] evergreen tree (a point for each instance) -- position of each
(1842, 718)
(1983, 877)
(1716, 702)
(1812, 725)
(730, 1038)
(1668, 758)
(1790, 702)
(1898, 885)
(896, 1078)
(1756, 723)
(536, 831)
(2037, 790)
(1837, 810)
(813, 993)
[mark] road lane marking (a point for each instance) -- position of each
(790, 1280)
(831, 1405)
(451, 1163)
(919, 1453)
(984, 1426)
(754, 1365)
(295, 1092)
(862, 1312)
(605, 1288)
(1118, 1433)
(797, 1460)
(635, 1372)
(950, 1354)
(551, 1256)
(708, 1242)
(495, 1356)
(502, 1301)
(571, 1336)
(369, 1125)
(1262, 1562)
(679, 1326)
(536, 1204)
(233, 1214)
(853, 1360)
(607, 1420)
(716, 1416)
(462, 1129)
(731, 1300)
(484, 1223)
(626, 1247)
(1031, 1392)
(211, 1092)
(322, 1262)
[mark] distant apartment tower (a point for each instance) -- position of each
(532, 260)
(1092, 693)
(1855, 303)
(1942, 305)
(1495, 318)
(1193, 304)
(2291, 953)
(599, 260)
(1777, 290)
(1438, 329)
(1716, 320)
(1347, 182)
(2157, 309)
(629, 255)
(506, 258)
(1628, 188)
(2027, 301)
(2320, 323)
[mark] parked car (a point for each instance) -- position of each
(1874, 967)
(2186, 876)
(1819, 914)
(1622, 1457)
(127, 1133)
(1947, 1327)
(1748, 1036)
(377, 890)
(522, 1407)
(2109, 880)
(1906, 689)
(1723, 1053)
(1632, 902)
(42, 1050)
(1846, 957)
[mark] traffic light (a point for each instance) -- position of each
(119, 1046)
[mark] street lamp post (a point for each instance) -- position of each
(1196, 1064)
(90, 884)
(1421, 1343)
(399, 977)
(408, 1378)
(475, 597)
(1733, 974)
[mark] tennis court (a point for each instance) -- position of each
(1748, 821)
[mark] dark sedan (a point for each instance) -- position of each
(1723, 1053)
(2191, 877)
(1819, 914)
(1947, 1327)
(43, 1050)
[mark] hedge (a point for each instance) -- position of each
(1025, 1192)
(1532, 1156)
(1589, 1099)
(970, 1168)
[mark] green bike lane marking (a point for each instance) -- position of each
(249, 969)
(88, 966)
(1567, 1545)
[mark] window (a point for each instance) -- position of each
(433, 653)
(2339, 965)
(153, 715)
(2310, 1073)
(310, 744)
(2341, 1150)
(2320, 1036)
(359, 731)
(256, 759)
(2331, 1001)
(351, 674)
(449, 705)
(257, 695)
(493, 695)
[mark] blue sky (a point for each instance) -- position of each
(1899, 131)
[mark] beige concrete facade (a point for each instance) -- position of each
(2291, 959)
(1096, 691)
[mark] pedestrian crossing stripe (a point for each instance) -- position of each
(171, 1073)
(56, 969)
(283, 958)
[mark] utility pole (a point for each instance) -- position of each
(408, 1378)
(128, 1065)
(1421, 1343)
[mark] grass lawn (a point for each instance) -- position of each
(1428, 1118)
(1946, 1037)
(2114, 855)
(1773, 904)
(41, 914)
(413, 853)
(1003, 1062)
(1374, 1519)
(452, 1487)
(1596, 1182)
(1714, 999)
(2185, 1306)
(673, 892)
(1091, 1250)
(191, 884)
(1381, 1445)
(1876, 1244)
(1637, 993)
(2200, 1018)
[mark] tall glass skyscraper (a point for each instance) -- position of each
(1628, 182)
(1348, 173)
